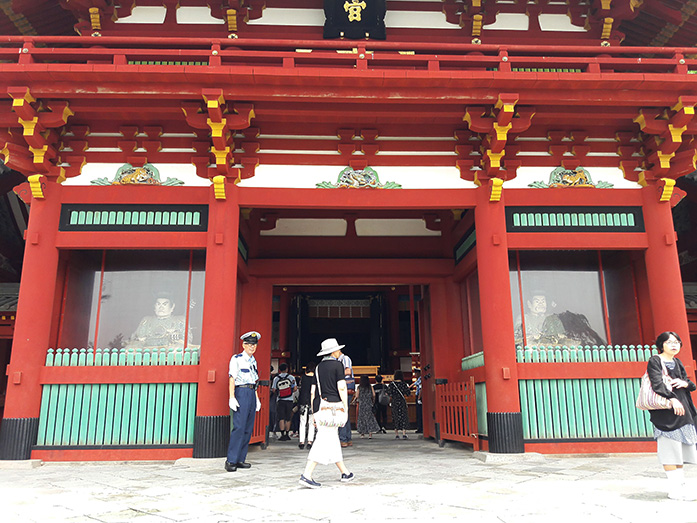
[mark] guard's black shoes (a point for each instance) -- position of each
(244, 465)
(230, 467)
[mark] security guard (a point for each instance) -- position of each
(244, 401)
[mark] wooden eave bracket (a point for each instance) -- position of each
(219, 182)
(37, 186)
(496, 190)
(666, 186)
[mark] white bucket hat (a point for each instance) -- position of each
(329, 345)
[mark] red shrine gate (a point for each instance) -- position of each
(556, 92)
(124, 405)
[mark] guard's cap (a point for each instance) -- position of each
(251, 337)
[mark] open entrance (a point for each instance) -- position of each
(378, 324)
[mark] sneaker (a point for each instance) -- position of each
(397, 436)
(344, 444)
(301, 446)
(309, 446)
(309, 483)
(345, 478)
(405, 437)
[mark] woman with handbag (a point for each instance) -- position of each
(674, 427)
(398, 391)
(330, 404)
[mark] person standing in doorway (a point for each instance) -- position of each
(244, 401)
(365, 399)
(419, 406)
(398, 391)
(284, 386)
(381, 405)
(273, 421)
(345, 431)
(307, 423)
(330, 385)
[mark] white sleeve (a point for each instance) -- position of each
(234, 368)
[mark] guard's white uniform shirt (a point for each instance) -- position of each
(244, 369)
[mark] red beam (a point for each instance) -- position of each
(104, 375)
(363, 271)
(591, 447)
(107, 454)
(594, 370)
(355, 199)
(131, 240)
(578, 240)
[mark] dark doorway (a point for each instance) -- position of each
(356, 319)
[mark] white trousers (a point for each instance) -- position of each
(307, 425)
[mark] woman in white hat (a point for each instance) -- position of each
(331, 388)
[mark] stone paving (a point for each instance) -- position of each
(411, 480)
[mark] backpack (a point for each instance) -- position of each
(383, 397)
(284, 386)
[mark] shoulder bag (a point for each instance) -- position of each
(329, 414)
(647, 398)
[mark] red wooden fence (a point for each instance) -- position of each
(261, 421)
(456, 406)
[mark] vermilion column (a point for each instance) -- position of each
(33, 326)
(663, 269)
(257, 314)
(212, 423)
(444, 359)
(504, 420)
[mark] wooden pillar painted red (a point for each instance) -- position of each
(32, 326)
(503, 400)
(212, 424)
(393, 311)
(663, 269)
(257, 314)
(444, 359)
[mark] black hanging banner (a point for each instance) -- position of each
(354, 19)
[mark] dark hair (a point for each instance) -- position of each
(310, 367)
(398, 375)
(364, 381)
(663, 337)
(378, 378)
(282, 367)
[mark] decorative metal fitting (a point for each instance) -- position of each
(476, 41)
(96, 33)
(504, 59)
(232, 35)
(362, 55)
(25, 50)
(681, 61)
(605, 43)
(215, 53)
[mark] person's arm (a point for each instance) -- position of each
(684, 381)
(654, 369)
(343, 392)
(232, 402)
